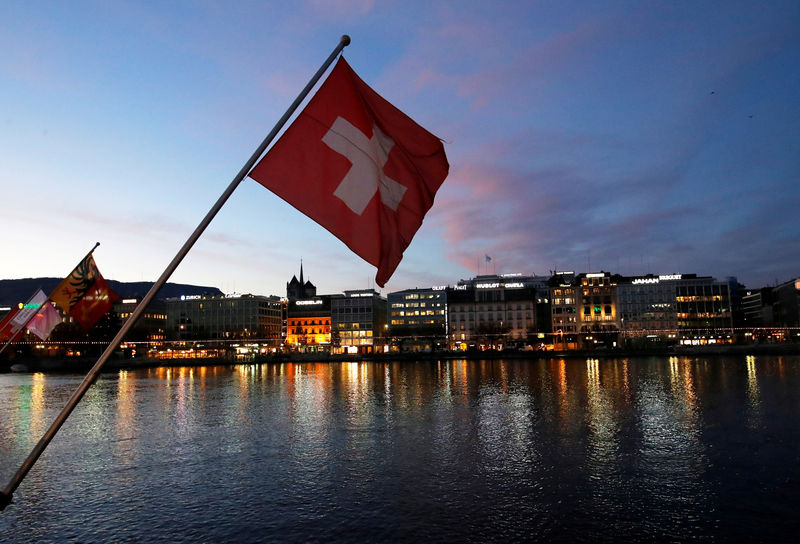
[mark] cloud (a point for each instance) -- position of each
(340, 8)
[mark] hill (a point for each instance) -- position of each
(15, 291)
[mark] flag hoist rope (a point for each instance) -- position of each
(6, 494)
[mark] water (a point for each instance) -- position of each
(680, 449)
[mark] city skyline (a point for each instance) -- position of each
(628, 137)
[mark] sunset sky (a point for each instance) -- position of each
(630, 137)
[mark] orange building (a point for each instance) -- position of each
(308, 323)
(308, 331)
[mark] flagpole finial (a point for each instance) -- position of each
(345, 41)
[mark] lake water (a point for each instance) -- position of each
(622, 450)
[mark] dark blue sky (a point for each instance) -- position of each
(632, 137)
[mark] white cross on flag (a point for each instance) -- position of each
(359, 167)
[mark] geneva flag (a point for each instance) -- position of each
(359, 167)
(84, 294)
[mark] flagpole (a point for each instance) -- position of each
(22, 329)
(6, 494)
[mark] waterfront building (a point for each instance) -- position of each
(418, 319)
(786, 303)
(597, 309)
(704, 306)
(308, 323)
(564, 310)
(359, 320)
(757, 308)
(674, 308)
(152, 323)
(495, 311)
(202, 317)
(648, 302)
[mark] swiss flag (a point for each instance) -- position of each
(359, 167)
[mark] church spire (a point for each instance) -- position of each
(301, 271)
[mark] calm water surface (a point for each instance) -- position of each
(680, 449)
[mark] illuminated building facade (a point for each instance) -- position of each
(648, 303)
(564, 310)
(597, 309)
(308, 323)
(151, 325)
(418, 319)
(359, 322)
(676, 307)
(493, 311)
(703, 306)
(201, 317)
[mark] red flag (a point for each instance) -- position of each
(94, 304)
(359, 167)
(76, 285)
(7, 329)
(45, 321)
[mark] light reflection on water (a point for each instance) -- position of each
(578, 450)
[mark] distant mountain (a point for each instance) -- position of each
(15, 291)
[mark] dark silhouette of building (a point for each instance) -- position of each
(298, 289)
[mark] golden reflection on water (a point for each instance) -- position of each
(682, 383)
(37, 407)
(602, 418)
(752, 381)
(126, 405)
(463, 371)
(562, 398)
(753, 394)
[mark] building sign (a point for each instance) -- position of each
(494, 285)
(460, 288)
(129, 301)
(438, 287)
(308, 302)
(191, 297)
(662, 277)
(516, 285)
(361, 294)
(596, 275)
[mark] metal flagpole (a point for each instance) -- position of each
(6, 494)
(14, 336)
